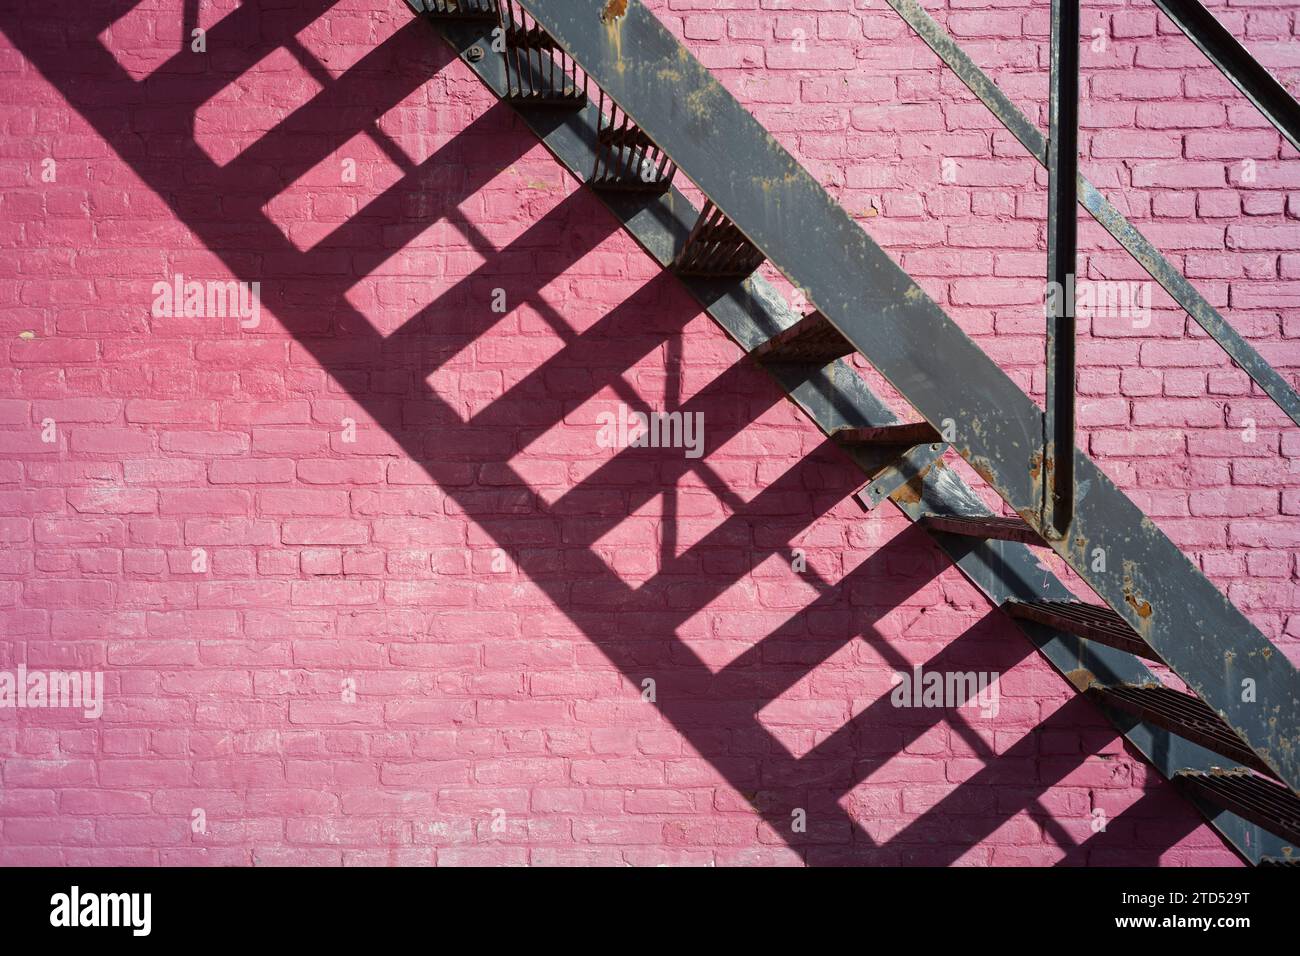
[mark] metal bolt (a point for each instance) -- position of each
(474, 54)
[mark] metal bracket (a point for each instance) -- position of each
(907, 468)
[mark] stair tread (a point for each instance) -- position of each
(812, 340)
(716, 248)
(529, 38)
(905, 433)
(458, 9)
(628, 136)
(627, 160)
(993, 527)
(1094, 622)
(1183, 714)
(1267, 804)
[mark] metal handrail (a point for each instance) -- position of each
(1101, 209)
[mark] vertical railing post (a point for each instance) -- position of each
(1062, 173)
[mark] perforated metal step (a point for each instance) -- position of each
(810, 341)
(989, 527)
(1264, 803)
(1090, 621)
(1181, 714)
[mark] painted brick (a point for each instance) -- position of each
(491, 586)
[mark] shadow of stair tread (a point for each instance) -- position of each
(1182, 714)
(1267, 804)
(1093, 622)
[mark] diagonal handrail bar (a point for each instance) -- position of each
(1234, 61)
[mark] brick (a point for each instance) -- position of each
(495, 584)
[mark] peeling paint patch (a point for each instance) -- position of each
(1133, 598)
(1081, 678)
(1143, 608)
(913, 489)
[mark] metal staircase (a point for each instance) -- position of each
(624, 106)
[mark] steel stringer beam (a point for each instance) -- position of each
(835, 397)
(1234, 61)
(1101, 209)
(798, 226)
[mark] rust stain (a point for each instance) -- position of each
(1081, 678)
(1030, 517)
(1133, 599)
(614, 9)
(1143, 608)
(981, 467)
(1226, 772)
(910, 492)
(1036, 465)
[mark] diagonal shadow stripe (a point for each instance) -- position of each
(168, 181)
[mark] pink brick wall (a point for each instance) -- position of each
(428, 644)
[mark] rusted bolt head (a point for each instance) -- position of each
(474, 54)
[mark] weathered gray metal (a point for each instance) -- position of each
(1062, 244)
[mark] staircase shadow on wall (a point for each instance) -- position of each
(554, 543)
